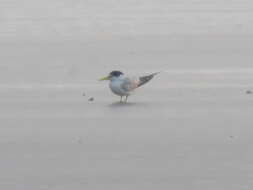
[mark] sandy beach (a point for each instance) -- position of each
(189, 128)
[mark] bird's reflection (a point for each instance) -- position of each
(127, 104)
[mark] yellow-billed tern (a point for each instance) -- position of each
(122, 85)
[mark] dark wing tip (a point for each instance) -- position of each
(143, 80)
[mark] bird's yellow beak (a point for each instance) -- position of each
(105, 78)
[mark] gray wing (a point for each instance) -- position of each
(129, 84)
(143, 80)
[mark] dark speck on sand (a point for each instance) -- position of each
(91, 99)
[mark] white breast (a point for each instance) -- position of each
(116, 87)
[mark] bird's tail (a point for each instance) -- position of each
(143, 80)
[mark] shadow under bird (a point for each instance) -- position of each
(123, 85)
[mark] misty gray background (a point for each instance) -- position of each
(189, 128)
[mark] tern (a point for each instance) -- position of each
(122, 85)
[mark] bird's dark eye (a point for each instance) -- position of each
(116, 73)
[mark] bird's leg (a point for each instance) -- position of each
(120, 99)
(126, 99)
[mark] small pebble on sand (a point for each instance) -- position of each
(79, 141)
(84, 94)
(248, 92)
(91, 99)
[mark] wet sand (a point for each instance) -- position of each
(177, 137)
(189, 128)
